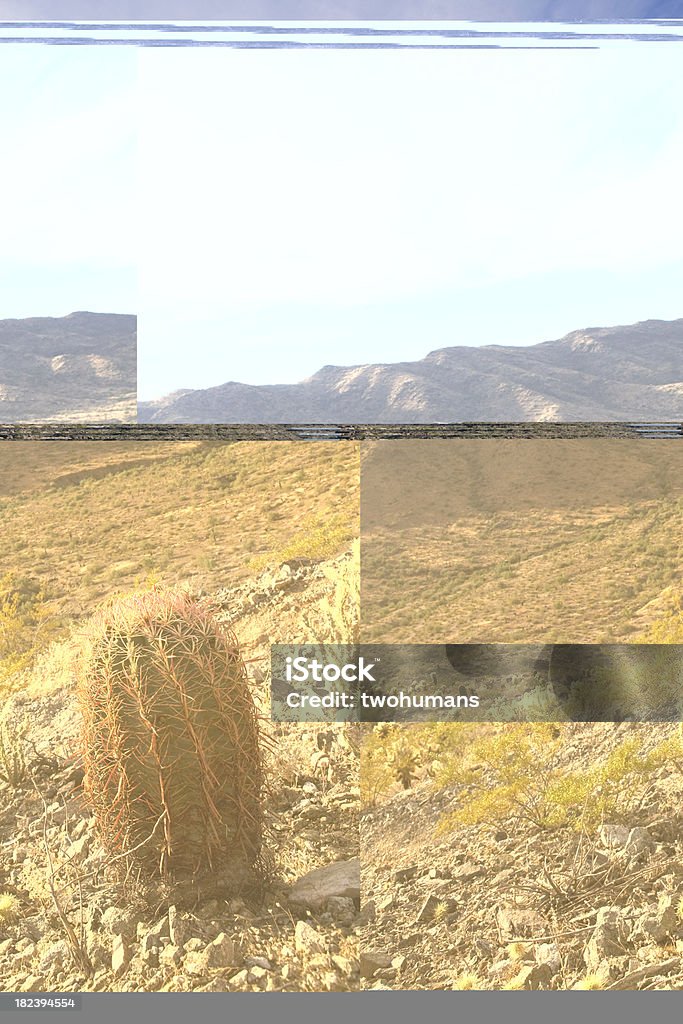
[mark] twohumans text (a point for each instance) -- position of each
(435, 702)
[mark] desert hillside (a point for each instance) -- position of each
(80, 367)
(508, 541)
(522, 857)
(594, 374)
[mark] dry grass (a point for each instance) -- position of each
(457, 547)
(90, 519)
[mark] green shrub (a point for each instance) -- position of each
(27, 624)
(669, 628)
(518, 773)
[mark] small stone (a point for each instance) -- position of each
(120, 956)
(608, 938)
(192, 945)
(34, 983)
(548, 953)
(171, 955)
(159, 931)
(77, 852)
(341, 878)
(25, 953)
(520, 923)
(535, 976)
(221, 951)
(661, 922)
(614, 837)
(368, 912)
(345, 965)
(118, 921)
(197, 963)
(405, 874)
(371, 962)
(501, 972)
(342, 909)
(427, 910)
(308, 940)
(310, 788)
(259, 961)
(97, 948)
(639, 842)
(468, 871)
(241, 978)
(257, 973)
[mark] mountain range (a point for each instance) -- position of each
(76, 368)
(625, 373)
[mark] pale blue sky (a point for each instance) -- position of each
(289, 210)
(67, 180)
(310, 208)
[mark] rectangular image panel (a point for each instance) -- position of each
(521, 541)
(143, 789)
(68, 329)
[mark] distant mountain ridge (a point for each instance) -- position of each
(596, 374)
(80, 367)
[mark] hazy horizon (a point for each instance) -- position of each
(61, 316)
(149, 397)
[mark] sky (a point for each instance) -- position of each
(67, 180)
(269, 212)
(339, 207)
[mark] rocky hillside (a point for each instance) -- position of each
(589, 899)
(596, 374)
(81, 367)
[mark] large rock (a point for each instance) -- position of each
(313, 890)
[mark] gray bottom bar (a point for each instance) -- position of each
(436, 1007)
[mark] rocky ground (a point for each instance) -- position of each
(512, 907)
(69, 920)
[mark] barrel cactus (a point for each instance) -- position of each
(170, 736)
